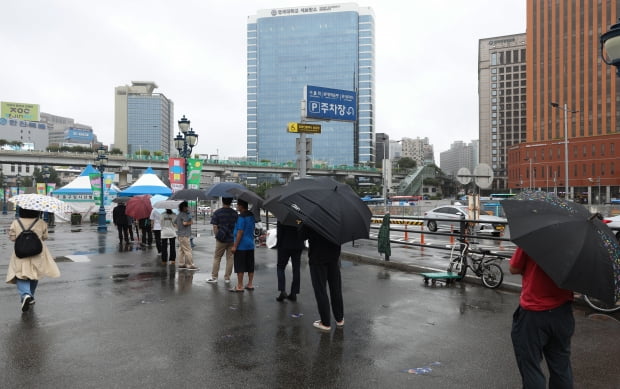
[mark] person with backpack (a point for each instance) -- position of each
(26, 272)
(223, 221)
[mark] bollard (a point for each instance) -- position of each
(406, 234)
(451, 234)
(422, 234)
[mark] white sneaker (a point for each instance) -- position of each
(227, 281)
(212, 280)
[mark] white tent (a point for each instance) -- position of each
(148, 183)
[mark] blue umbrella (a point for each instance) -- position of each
(222, 189)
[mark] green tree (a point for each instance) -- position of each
(406, 163)
(116, 151)
(37, 175)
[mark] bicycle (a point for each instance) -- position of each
(601, 306)
(480, 263)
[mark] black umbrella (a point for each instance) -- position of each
(221, 189)
(328, 207)
(189, 195)
(246, 195)
(573, 247)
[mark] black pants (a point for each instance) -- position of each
(123, 232)
(157, 235)
(164, 249)
(283, 257)
(323, 274)
(548, 333)
(147, 235)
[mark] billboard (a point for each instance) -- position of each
(79, 134)
(330, 104)
(28, 112)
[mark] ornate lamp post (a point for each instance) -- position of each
(101, 161)
(185, 141)
(45, 172)
(610, 47)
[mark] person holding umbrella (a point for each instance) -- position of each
(543, 324)
(243, 246)
(223, 221)
(168, 236)
(26, 272)
(184, 231)
(121, 221)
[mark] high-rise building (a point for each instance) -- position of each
(460, 155)
(330, 46)
(419, 149)
(143, 120)
(64, 131)
(568, 80)
(501, 101)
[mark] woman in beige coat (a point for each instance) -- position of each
(26, 272)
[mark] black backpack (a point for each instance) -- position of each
(27, 243)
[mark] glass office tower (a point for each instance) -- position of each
(330, 46)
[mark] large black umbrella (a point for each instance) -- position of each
(573, 247)
(221, 189)
(332, 209)
(246, 195)
(189, 195)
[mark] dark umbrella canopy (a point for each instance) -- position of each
(189, 195)
(246, 195)
(222, 189)
(573, 247)
(328, 207)
(139, 207)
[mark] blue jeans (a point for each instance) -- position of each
(26, 287)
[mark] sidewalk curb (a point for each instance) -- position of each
(352, 257)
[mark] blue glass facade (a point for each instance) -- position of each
(149, 123)
(304, 46)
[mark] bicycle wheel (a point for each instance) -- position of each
(601, 306)
(492, 275)
(457, 266)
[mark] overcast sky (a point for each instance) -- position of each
(68, 55)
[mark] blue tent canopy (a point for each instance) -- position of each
(148, 183)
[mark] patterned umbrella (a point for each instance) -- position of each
(39, 202)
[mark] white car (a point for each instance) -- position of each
(493, 225)
(613, 222)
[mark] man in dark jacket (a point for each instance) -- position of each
(120, 220)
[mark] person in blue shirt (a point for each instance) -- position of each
(243, 247)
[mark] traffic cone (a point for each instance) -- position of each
(422, 234)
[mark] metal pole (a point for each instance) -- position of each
(4, 210)
(303, 168)
(531, 176)
(600, 199)
(102, 227)
(566, 150)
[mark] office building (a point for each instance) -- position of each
(143, 120)
(64, 131)
(329, 46)
(420, 150)
(567, 79)
(460, 155)
(501, 101)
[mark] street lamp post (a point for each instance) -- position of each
(566, 111)
(4, 210)
(185, 141)
(45, 172)
(610, 47)
(530, 174)
(101, 161)
(18, 182)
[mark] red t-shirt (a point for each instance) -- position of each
(538, 291)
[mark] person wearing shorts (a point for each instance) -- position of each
(243, 247)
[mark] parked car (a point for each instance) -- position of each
(493, 225)
(613, 222)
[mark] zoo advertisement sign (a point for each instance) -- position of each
(29, 112)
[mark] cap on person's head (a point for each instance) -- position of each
(243, 203)
(182, 205)
(227, 200)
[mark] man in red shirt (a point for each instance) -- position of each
(542, 325)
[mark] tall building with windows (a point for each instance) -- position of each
(419, 149)
(330, 46)
(501, 101)
(143, 120)
(460, 155)
(568, 80)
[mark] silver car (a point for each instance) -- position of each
(488, 224)
(613, 222)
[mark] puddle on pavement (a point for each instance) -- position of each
(143, 276)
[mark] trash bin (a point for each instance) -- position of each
(76, 218)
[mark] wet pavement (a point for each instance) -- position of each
(117, 318)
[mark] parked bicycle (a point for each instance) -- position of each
(482, 263)
(601, 306)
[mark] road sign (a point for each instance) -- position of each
(304, 128)
(330, 104)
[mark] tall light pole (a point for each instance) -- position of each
(185, 141)
(18, 182)
(566, 111)
(45, 172)
(384, 174)
(101, 161)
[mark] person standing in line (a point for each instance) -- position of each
(223, 221)
(147, 235)
(243, 247)
(168, 237)
(184, 231)
(324, 262)
(121, 221)
(542, 325)
(155, 220)
(290, 245)
(26, 272)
